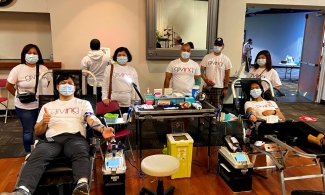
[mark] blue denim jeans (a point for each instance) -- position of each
(28, 120)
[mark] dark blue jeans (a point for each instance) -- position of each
(28, 120)
(74, 146)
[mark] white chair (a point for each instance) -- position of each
(159, 166)
(4, 100)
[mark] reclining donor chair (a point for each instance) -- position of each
(285, 142)
(58, 178)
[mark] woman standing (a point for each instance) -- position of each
(262, 68)
(122, 90)
(23, 76)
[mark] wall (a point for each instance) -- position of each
(20, 29)
(278, 33)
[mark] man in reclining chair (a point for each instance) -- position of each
(63, 123)
(259, 108)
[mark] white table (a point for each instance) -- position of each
(287, 66)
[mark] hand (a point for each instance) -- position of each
(252, 118)
(224, 91)
(46, 116)
(108, 133)
(268, 112)
(106, 102)
(104, 51)
(209, 82)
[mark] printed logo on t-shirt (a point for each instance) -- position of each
(120, 75)
(183, 69)
(31, 77)
(267, 104)
(213, 63)
(74, 110)
(256, 76)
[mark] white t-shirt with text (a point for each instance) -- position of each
(183, 75)
(271, 75)
(66, 116)
(260, 106)
(24, 77)
(216, 67)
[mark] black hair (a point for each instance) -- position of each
(65, 76)
(268, 64)
(249, 40)
(26, 49)
(248, 89)
(94, 44)
(190, 44)
(120, 49)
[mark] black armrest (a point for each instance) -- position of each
(307, 192)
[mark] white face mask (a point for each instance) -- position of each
(261, 62)
(122, 60)
(255, 93)
(66, 89)
(185, 55)
(217, 49)
(31, 58)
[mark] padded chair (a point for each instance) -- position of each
(159, 166)
(58, 178)
(4, 100)
(113, 107)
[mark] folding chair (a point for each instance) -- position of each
(4, 100)
(113, 107)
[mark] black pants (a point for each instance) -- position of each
(99, 92)
(74, 146)
(298, 129)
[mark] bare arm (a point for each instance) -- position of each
(41, 127)
(227, 77)
(196, 76)
(11, 88)
(167, 79)
(107, 132)
(280, 115)
(204, 77)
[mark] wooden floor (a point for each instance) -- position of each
(200, 182)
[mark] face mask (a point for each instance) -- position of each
(256, 93)
(217, 49)
(66, 89)
(31, 58)
(122, 60)
(261, 62)
(185, 55)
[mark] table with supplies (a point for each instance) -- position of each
(288, 68)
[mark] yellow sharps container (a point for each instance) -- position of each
(180, 146)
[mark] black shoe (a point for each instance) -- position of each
(18, 191)
(81, 189)
(201, 127)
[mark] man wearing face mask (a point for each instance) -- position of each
(62, 134)
(96, 61)
(216, 70)
(183, 72)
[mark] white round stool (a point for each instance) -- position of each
(159, 165)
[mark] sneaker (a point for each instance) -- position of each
(201, 127)
(18, 191)
(81, 189)
(259, 143)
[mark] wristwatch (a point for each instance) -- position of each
(274, 112)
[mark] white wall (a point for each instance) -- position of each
(278, 33)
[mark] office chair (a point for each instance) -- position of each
(4, 100)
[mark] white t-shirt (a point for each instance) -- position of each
(96, 62)
(24, 77)
(183, 75)
(271, 75)
(66, 116)
(122, 91)
(216, 67)
(260, 106)
(247, 49)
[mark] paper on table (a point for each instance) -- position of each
(145, 106)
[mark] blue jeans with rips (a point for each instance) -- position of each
(28, 120)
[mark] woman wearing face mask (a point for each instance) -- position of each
(258, 108)
(23, 76)
(263, 69)
(122, 91)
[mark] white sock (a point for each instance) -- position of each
(82, 181)
(24, 188)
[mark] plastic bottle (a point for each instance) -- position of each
(164, 151)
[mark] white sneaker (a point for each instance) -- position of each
(259, 143)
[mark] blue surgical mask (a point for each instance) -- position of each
(66, 89)
(185, 55)
(31, 58)
(217, 49)
(255, 93)
(122, 60)
(261, 62)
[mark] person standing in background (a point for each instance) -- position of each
(122, 91)
(22, 79)
(178, 42)
(247, 55)
(216, 67)
(95, 62)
